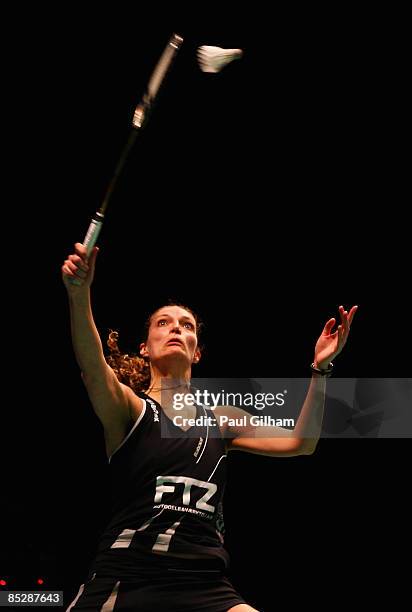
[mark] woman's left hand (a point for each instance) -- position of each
(331, 344)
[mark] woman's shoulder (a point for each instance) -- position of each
(116, 435)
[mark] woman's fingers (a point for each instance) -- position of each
(69, 273)
(347, 317)
(346, 321)
(81, 267)
(328, 327)
(75, 268)
(81, 250)
(340, 335)
(92, 258)
(78, 260)
(78, 268)
(352, 313)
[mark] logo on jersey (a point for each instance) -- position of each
(201, 503)
(155, 410)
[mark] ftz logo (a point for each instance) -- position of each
(162, 488)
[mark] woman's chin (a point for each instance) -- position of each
(174, 354)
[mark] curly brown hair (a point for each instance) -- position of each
(133, 370)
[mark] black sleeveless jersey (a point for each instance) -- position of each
(166, 496)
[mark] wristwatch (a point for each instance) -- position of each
(327, 372)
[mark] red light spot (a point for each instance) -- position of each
(40, 581)
(3, 582)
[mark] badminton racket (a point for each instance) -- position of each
(140, 118)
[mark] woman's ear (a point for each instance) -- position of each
(143, 350)
(197, 356)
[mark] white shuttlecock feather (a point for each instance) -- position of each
(213, 59)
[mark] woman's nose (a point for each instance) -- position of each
(176, 327)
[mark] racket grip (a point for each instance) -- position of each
(93, 232)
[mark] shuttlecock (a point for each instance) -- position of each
(213, 59)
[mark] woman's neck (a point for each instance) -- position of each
(164, 384)
(162, 380)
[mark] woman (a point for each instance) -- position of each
(162, 549)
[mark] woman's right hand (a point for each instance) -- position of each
(78, 269)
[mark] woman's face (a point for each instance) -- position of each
(172, 335)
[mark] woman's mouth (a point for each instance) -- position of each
(174, 341)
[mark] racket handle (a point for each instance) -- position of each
(93, 232)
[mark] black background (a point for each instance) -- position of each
(263, 197)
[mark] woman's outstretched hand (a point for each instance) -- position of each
(78, 269)
(331, 343)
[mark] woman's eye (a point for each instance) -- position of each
(189, 325)
(162, 322)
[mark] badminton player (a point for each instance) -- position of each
(163, 546)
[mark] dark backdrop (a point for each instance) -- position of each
(264, 197)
